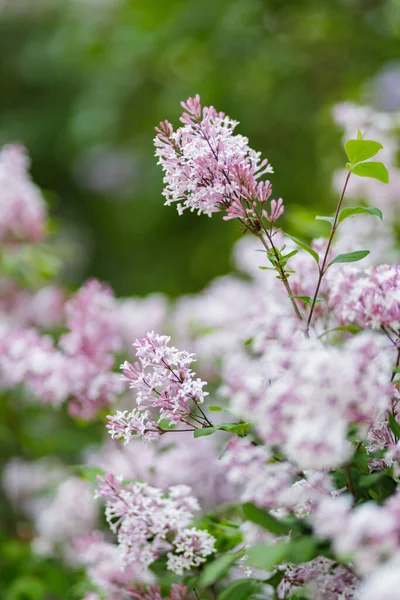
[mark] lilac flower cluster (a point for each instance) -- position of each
(144, 517)
(209, 168)
(371, 298)
(164, 382)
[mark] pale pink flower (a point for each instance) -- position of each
(22, 208)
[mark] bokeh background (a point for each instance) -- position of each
(84, 82)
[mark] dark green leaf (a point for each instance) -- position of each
(367, 481)
(350, 257)
(356, 210)
(359, 150)
(264, 519)
(375, 170)
(304, 247)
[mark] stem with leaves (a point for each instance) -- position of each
(323, 268)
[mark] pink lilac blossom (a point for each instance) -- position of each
(23, 308)
(22, 208)
(368, 535)
(69, 514)
(177, 592)
(370, 298)
(26, 357)
(143, 516)
(89, 346)
(104, 567)
(80, 369)
(383, 582)
(320, 579)
(209, 168)
(163, 381)
(308, 394)
(272, 484)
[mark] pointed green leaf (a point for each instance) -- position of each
(262, 517)
(204, 431)
(238, 428)
(349, 328)
(359, 150)
(357, 210)
(304, 247)
(375, 170)
(327, 219)
(359, 135)
(214, 408)
(350, 257)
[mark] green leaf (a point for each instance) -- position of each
(349, 328)
(327, 219)
(394, 425)
(267, 556)
(349, 212)
(238, 428)
(375, 170)
(350, 257)
(204, 431)
(359, 150)
(218, 568)
(88, 473)
(240, 589)
(214, 408)
(367, 481)
(302, 550)
(304, 247)
(307, 299)
(264, 519)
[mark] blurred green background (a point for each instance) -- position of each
(84, 82)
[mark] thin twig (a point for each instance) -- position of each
(323, 267)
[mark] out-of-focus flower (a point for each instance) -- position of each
(22, 208)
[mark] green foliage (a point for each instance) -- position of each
(357, 210)
(375, 170)
(349, 257)
(265, 519)
(360, 150)
(240, 589)
(305, 247)
(218, 568)
(239, 429)
(267, 556)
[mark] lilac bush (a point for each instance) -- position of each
(274, 472)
